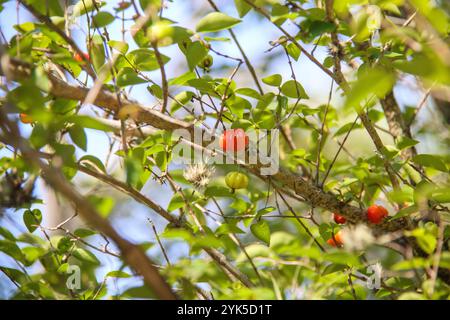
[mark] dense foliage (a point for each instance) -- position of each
(88, 217)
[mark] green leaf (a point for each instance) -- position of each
(142, 59)
(84, 233)
(249, 92)
(181, 99)
(261, 230)
(15, 274)
(103, 205)
(372, 82)
(405, 142)
(195, 53)
(97, 52)
(78, 136)
(83, 6)
(411, 296)
(429, 160)
(273, 80)
(117, 274)
(32, 254)
(7, 234)
(216, 21)
(341, 257)
(134, 169)
(226, 228)
(155, 91)
(120, 46)
(89, 123)
(293, 89)
(139, 292)
(426, 240)
(11, 249)
(441, 195)
(181, 80)
(293, 51)
(102, 19)
(64, 244)
(128, 77)
(242, 7)
(92, 162)
(346, 128)
(264, 211)
(32, 219)
(238, 105)
(85, 256)
(319, 27)
(218, 191)
(175, 203)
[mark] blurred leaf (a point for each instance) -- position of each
(78, 136)
(294, 89)
(85, 256)
(139, 293)
(117, 274)
(429, 160)
(83, 232)
(128, 77)
(195, 53)
(242, 7)
(261, 230)
(372, 82)
(102, 18)
(92, 162)
(216, 21)
(32, 219)
(273, 80)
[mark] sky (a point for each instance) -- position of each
(254, 34)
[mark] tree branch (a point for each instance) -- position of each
(17, 70)
(131, 253)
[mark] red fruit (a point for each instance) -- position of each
(123, 5)
(78, 57)
(338, 218)
(376, 214)
(233, 140)
(336, 240)
(25, 118)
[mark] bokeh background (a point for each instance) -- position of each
(255, 35)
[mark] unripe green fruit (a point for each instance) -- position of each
(161, 33)
(236, 180)
(207, 62)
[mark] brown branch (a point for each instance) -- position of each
(295, 42)
(241, 50)
(131, 253)
(164, 84)
(48, 22)
(17, 70)
(396, 123)
(380, 147)
(136, 195)
(339, 78)
(337, 50)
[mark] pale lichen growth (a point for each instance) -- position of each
(198, 174)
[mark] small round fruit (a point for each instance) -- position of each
(25, 118)
(207, 62)
(339, 219)
(79, 58)
(336, 240)
(233, 140)
(236, 180)
(376, 214)
(124, 5)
